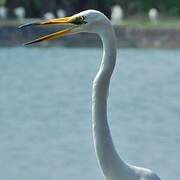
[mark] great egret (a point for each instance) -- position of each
(153, 15)
(48, 15)
(116, 14)
(3, 12)
(92, 21)
(61, 13)
(20, 13)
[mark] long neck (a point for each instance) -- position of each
(104, 147)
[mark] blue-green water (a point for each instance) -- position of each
(45, 112)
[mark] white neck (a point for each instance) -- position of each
(105, 150)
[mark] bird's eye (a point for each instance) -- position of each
(79, 20)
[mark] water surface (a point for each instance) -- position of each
(45, 112)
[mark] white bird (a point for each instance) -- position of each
(91, 21)
(48, 15)
(116, 14)
(61, 13)
(153, 15)
(20, 13)
(3, 12)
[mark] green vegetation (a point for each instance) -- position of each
(2, 2)
(146, 24)
(36, 8)
(128, 23)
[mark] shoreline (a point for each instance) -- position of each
(127, 36)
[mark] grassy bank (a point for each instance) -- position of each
(138, 33)
(129, 23)
(145, 23)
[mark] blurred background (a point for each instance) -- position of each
(45, 90)
(37, 8)
(137, 23)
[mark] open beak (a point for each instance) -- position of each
(58, 21)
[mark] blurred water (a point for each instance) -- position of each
(45, 112)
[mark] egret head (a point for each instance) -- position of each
(90, 21)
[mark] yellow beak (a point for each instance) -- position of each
(58, 21)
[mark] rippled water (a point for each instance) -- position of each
(45, 112)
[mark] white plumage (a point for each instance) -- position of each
(153, 15)
(3, 12)
(91, 21)
(116, 14)
(20, 13)
(48, 15)
(61, 13)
